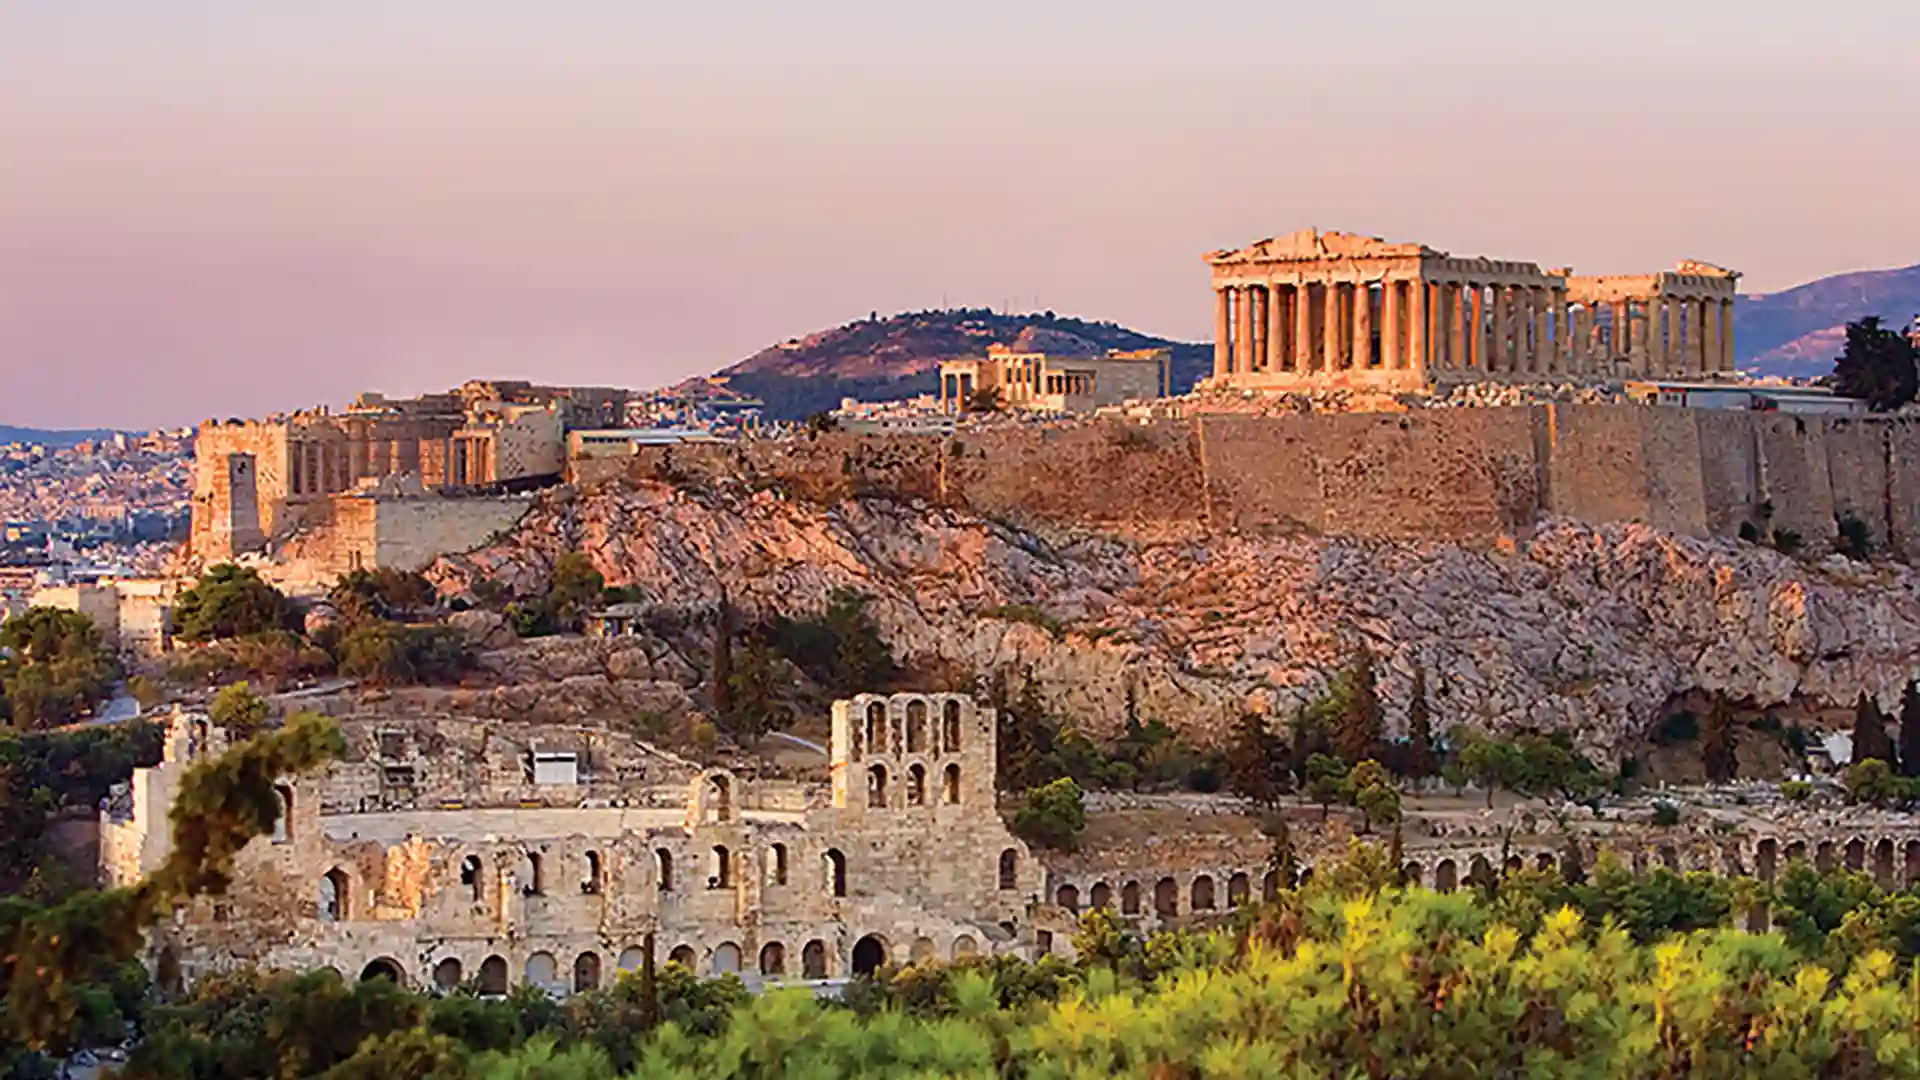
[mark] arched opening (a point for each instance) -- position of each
(916, 727)
(776, 865)
(877, 787)
(719, 799)
(869, 953)
(720, 870)
(384, 968)
(1239, 890)
(1480, 872)
(684, 956)
(916, 784)
(1203, 893)
(530, 883)
(1009, 869)
(836, 872)
(1856, 854)
(1306, 875)
(1130, 898)
(950, 727)
(493, 976)
(632, 958)
(1068, 897)
(283, 820)
(950, 785)
(964, 946)
(470, 877)
(586, 972)
(1823, 857)
(1410, 875)
(773, 960)
(1166, 898)
(813, 960)
(590, 884)
(543, 971)
(1883, 862)
(1102, 896)
(1446, 876)
(663, 868)
(1766, 858)
(1910, 861)
(876, 728)
(1797, 851)
(1543, 861)
(334, 901)
(1515, 864)
(726, 960)
(446, 974)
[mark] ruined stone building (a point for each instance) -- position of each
(1044, 383)
(1335, 310)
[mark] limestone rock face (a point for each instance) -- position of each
(1585, 629)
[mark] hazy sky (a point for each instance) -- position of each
(214, 208)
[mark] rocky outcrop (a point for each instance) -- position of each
(1572, 627)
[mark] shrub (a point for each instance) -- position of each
(1055, 815)
(230, 602)
(1666, 815)
(1787, 542)
(1796, 791)
(1855, 538)
(1025, 613)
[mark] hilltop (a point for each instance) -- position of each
(899, 356)
(1800, 330)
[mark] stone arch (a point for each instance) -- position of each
(924, 950)
(283, 817)
(1130, 898)
(493, 975)
(684, 956)
(836, 872)
(726, 959)
(1639, 862)
(1239, 890)
(470, 878)
(1766, 857)
(1824, 857)
(869, 954)
(876, 727)
(773, 960)
(721, 868)
(1410, 875)
(1544, 862)
(531, 883)
(586, 972)
(596, 874)
(336, 896)
(1101, 898)
(916, 726)
(1067, 897)
(716, 798)
(813, 960)
(385, 967)
(964, 946)
(876, 787)
(1306, 875)
(1446, 876)
(1910, 861)
(543, 970)
(1480, 871)
(1855, 854)
(1270, 885)
(1009, 869)
(632, 958)
(1514, 864)
(663, 868)
(1166, 898)
(446, 974)
(1203, 893)
(1796, 851)
(916, 784)
(776, 867)
(1883, 862)
(950, 727)
(950, 785)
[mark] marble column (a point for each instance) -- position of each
(1417, 325)
(1694, 342)
(1728, 363)
(1546, 350)
(1362, 325)
(1258, 318)
(1330, 325)
(1302, 328)
(1243, 330)
(1580, 346)
(1392, 352)
(1482, 329)
(1222, 332)
(1500, 355)
(1457, 309)
(1277, 353)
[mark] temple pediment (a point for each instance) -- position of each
(1307, 244)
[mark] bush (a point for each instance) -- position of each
(230, 602)
(1787, 542)
(1055, 815)
(269, 660)
(1796, 791)
(1025, 613)
(1666, 815)
(1855, 538)
(53, 668)
(239, 710)
(389, 654)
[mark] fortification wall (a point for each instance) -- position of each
(408, 534)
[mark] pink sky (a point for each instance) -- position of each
(216, 208)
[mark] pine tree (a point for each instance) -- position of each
(1870, 733)
(1420, 761)
(721, 676)
(1910, 731)
(1256, 761)
(1356, 728)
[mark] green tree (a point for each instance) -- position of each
(146, 691)
(757, 703)
(1796, 791)
(229, 602)
(1379, 804)
(1490, 764)
(382, 593)
(1877, 366)
(1420, 762)
(1909, 748)
(1327, 781)
(239, 710)
(1870, 732)
(574, 589)
(1353, 704)
(1054, 816)
(1872, 782)
(53, 668)
(1256, 762)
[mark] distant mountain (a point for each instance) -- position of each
(1799, 331)
(879, 359)
(51, 437)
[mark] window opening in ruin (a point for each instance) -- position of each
(720, 799)
(1239, 886)
(777, 865)
(493, 976)
(470, 876)
(950, 728)
(1009, 869)
(923, 950)
(383, 968)
(964, 945)
(1044, 940)
(684, 956)
(393, 744)
(1068, 897)
(1102, 895)
(1130, 898)
(877, 787)
(632, 957)
(836, 872)
(663, 866)
(446, 974)
(916, 785)
(722, 875)
(726, 960)
(813, 960)
(397, 776)
(543, 971)
(283, 821)
(1166, 898)
(591, 885)
(869, 953)
(586, 972)
(950, 787)
(530, 882)
(876, 728)
(333, 896)
(773, 960)
(916, 727)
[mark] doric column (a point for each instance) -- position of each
(1520, 354)
(1482, 329)
(1277, 355)
(1728, 363)
(1303, 328)
(1500, 355)
(1417, 324)
(1458, 306)
(1243, 330)
(1362, 325)
(1222, 332)
(1546, 353)
(1696, 340)
(1330, 325)
(1392, 353)
(1257, 358)
(1559, 358)
(1580, 347)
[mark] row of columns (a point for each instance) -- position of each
(1419, 325)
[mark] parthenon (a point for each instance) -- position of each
(1334, 310)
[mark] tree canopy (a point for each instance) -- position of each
(1877, 366)
(54, 669)
(230, 602)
